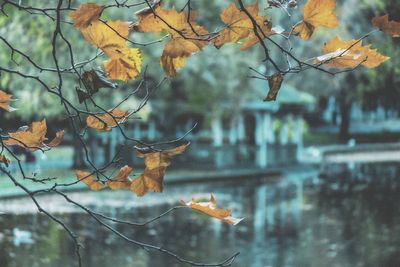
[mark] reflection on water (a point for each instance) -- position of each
(345, 217)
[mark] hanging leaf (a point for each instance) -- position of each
(126, 67)
(4, 160)
(5, 100)
(107, 121)
(210, 208)
(33, 137)
(121, 180)
(275, 83)
(391, 28)
(239, 26)
(186, 37)
(89, 180)
(317, 13)
(349, 54)
(93, 81)
(86, 14)
(156, 164)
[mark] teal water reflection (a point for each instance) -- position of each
(346, 217)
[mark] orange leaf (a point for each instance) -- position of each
(4, 101)
(89, 180)
(5, 160)
(57, 140)
(210, 208)
(86, 14)
(156, 164)
(127, 66)
(240, 26)
(349, 54)
(316, 13)
(186, 38)
(106, 122)
(32, 137)
(389, 27)
(121, 180)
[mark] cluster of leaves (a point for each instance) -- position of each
(242, 25)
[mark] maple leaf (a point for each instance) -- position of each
(389, 27)
(89, 180)
(210, 208)
(316, 13)
(4, 160)
(86, 14)
(121, 180)
(156, 164)
(274, 83)
(107, 121)
(110, 37)
(186, 37)
(125, 67)
(349, 54)
(5, 100)
(93, 81)
(33, 137)
(240, 26)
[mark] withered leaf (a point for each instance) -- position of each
(4, 160)
(121, 180)
(349, 54)
(391, 28)
(86, 14)
(156, 164)
(275, 83)
(125, 67)
(210, 208)
(5, 100)
(33, 137)
(316, 13)
(93, 81)
(107, 121)
(239, 26)
(89, 180)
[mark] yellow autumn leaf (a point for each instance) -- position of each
(121, 180)
(316, 13)
(210, 208)
(107, 121)
(239, 26)
(156, 163)
(186, 37)
(5, 101)
(349, 54)
(33, 137)
(89, 180)
(86, 14)
(125, 67)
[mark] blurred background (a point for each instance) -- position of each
(315, 173)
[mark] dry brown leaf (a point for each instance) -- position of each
(316, 13)
(5, 100)
(389, 27)
(32, 137)
(89, 180)
(121, 180)
(349, 54)
(156, 164)
(240, 26)
(5, 160)
(171, 65)
(151, 180)
(86, 14)
(126, 67)
(57, 140)
(106, 121)
(210, 208)
(275, 83)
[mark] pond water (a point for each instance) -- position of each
(347, 216)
